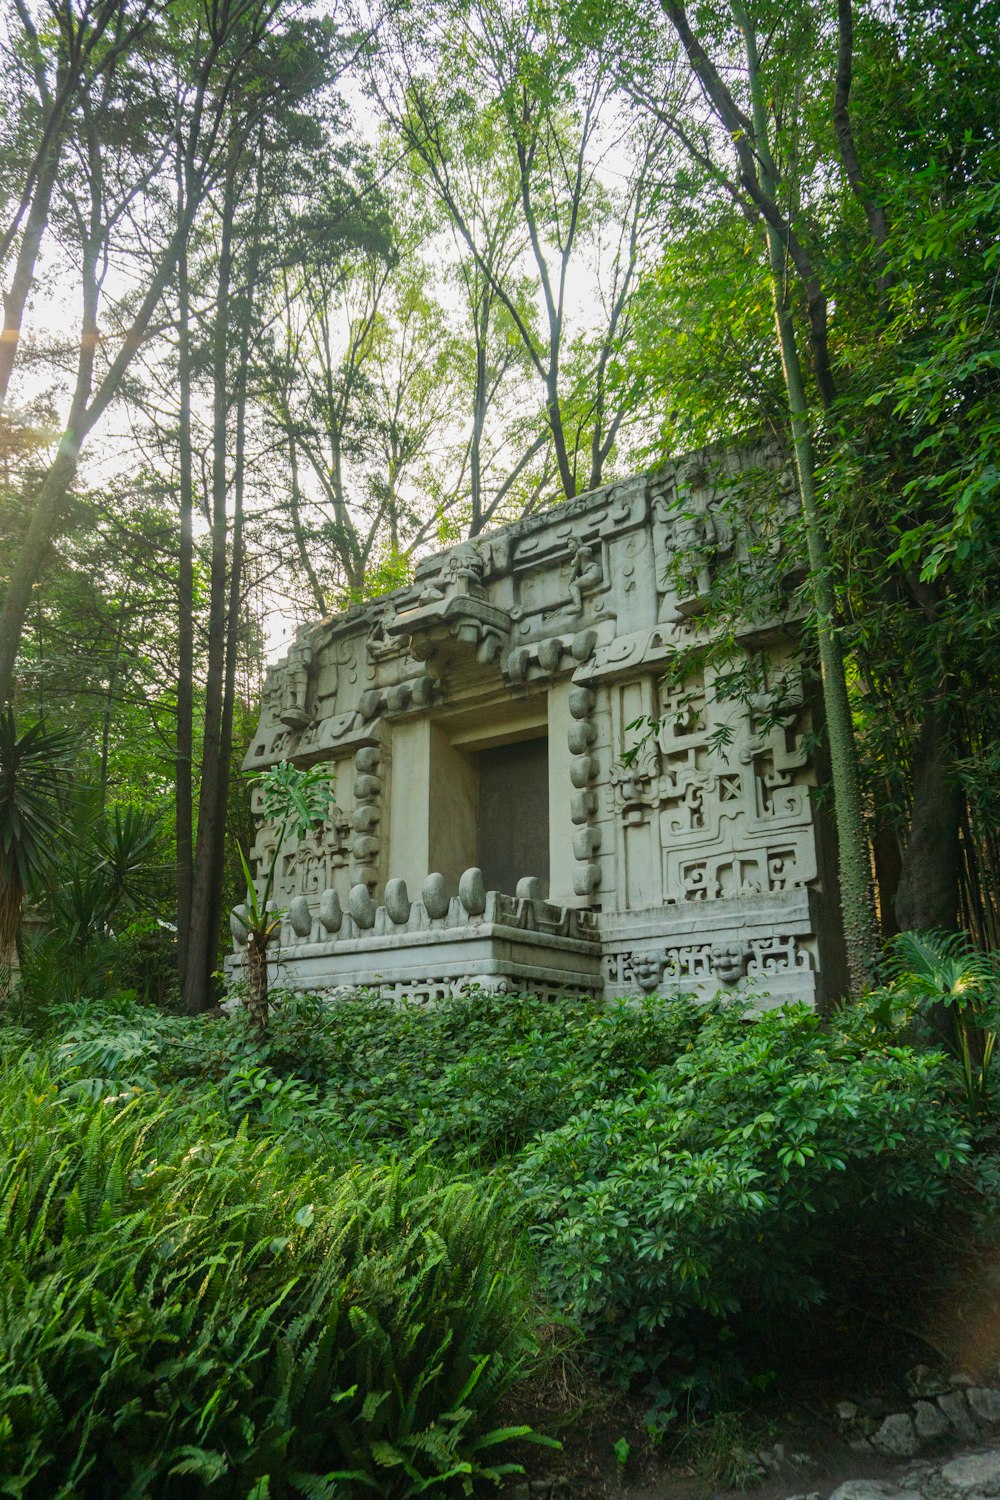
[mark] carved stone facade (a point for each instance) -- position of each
(694, 862)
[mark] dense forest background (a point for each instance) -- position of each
(294, 291)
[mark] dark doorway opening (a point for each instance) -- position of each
(514, 813)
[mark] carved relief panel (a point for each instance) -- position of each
(716, 803)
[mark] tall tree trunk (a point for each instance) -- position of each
(184, 752)
(854, 866)
(481, 323)
(59, 477)
(203, 930)
(235, 606)
(16, 296)
(928, 892)
(32, 554)
(109, 697)
(298, 531)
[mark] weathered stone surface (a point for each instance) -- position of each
(472, 892)
(299, 916)
(921, 1380)
(397, 900)
(863, 1489)
(581, 702)
(984, 1402)
(331, 914)
(897, 1436)
(847, 1411)
(929, 1421)
(238, 924)
(360, 905)
(954, 1407)
(695, 851)
(434, 894)
(974, 1473)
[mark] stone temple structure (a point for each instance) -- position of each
(489, 826)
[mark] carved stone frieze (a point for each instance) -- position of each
(684, 846)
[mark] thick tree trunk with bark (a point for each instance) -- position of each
(928, 892)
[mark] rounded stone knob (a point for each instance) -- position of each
(581, 735)
(529, 888)
(366, 759)
(550, 654)
(583, 644)
(364, 817)
(582, 768)
(397, 901)
(300, 916)
(517, 664)
(434, 894)
(359, 904)
(330, 914)
(586, 842)
(238, 924)
(581, 701)
(472, 892)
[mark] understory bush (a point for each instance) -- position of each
(717, 1190)
(685, 1174)
(688, 1178)
(185, 1308)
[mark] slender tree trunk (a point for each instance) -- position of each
(16, 297)
(34, 549)
(553, 412)
(854, 866)
(481, 323)
(928, 892)
(184, 753)
(55, 487)
(203, 932)
(235, 606)
(295, 508)
(109, 697)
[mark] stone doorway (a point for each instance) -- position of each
(513, 813)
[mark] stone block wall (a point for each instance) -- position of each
(681, 818)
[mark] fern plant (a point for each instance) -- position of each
(957, 990)
(188, 1311)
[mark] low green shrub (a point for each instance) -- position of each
(185, 1310)
(715, 1191)
(689, 1177)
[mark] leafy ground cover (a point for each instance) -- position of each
(323, 1260)
(319, 1261)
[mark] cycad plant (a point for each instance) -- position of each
(113, 873)
(33, 768)
(957, 989)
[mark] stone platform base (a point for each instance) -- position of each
(422, 968)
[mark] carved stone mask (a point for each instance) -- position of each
(647, 968)
(729, 961)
